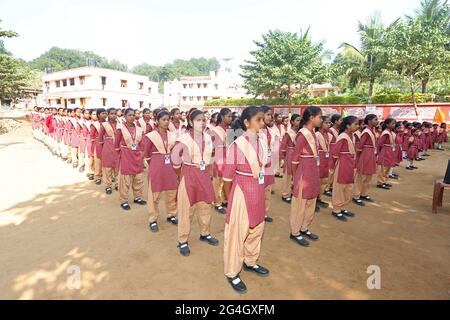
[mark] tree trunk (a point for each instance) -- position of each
(413, 93)
(371, 85)
(424, 85)
(289, 94)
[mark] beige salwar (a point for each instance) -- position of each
(382, 175)
(186, 211)
(74, 155)
(153, 206)
(241, 244)
(97, 167)
(108, 175)
(324, 185)
(342, 193)
(287, 185)
(218, 191)
(136, 182)
(362, 185)
(267, 197)
(302, 212)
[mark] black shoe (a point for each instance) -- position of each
(98, 182)
(388, 185)
(383, 186)
(210, 240)
(140, 201)
(125, 206)
(396, 175)
(322, 203)
(225, 204)
(391, 176)
(268, 219)
(172, 220)
(409, 168)
(358, 202)
(116, 188)
(220, 209)
(237, 284)
(286, 199)
(328, 192)
(414, 167)
(153, 226)
(259, 270)
(339, 216)
(81, 169)
(278, 175)
(308, 234)
(184, 249)
(108, 190)
(299, 239)
(75, 166)
(366, 198)
(91, 177)
(272, 192)
(317, 209)
(348, 213)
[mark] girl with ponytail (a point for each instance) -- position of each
(336, 121)
(305, 166)
(344, 153)
(244, 185)
(386, 153)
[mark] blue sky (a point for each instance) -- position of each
(156, 32)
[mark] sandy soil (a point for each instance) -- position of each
(51, 218)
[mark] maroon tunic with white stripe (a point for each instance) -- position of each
(130, 161)
(110, 156)
(346, 162)
(220, 151)
(286, 153)
(367, 162)
(324, 168)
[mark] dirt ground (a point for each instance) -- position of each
(51, 218)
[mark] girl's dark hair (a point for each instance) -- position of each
(173, 111)
(369, 117)
(100, 110)
(265, 108)
(309, 112)
(91, 111)
(60, 109)
(387, 122)
(213, 118)
(145, 110)
(194, 113)
(335, 118)
(127, 111)
(294, 117)
(222, 113)
(161, 114)
(346, 122)
(397, 124)
(68, 110)
(247, 114)
(76, 108)
(156, 111)
(112, 109)
(324, 118)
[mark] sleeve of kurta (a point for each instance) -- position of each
(283, 146)
(229, 169)
(297, 149)
(338, 147)
(118, 139)
(177, 154)
(147, 148)
(362, 142)
(101, 133)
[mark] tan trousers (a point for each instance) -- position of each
(68, 152)
(108, 175)
(287, 185)
(382, 176)
(342, 193)
(331, 178)
(74, 155)
(362, 185)
(324, 184)
(218, 190)
(267, 197)
(153, 206)
(302, 212)
(186, 211)
(97, 167)
(90, 165)
(136, 182)
(241, 244)
(81, 158)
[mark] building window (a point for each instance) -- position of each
(216, 86)
(141, 85)
(72, 81)
(82, 80)
(58, 83)
(58, 101)
(124, 103)
(104, 81)
(83, 102)
(191, 98)
(123, 83)
(149, 90)
(199, 98)
(205, 98)
(141, 104)
(184, 98)
(72, 101)
(184, 86)
(64, 83)
(104, 102)
(205, 85)
(150, 105)
(199, 85)
(190, 85)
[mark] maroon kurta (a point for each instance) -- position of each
(84, 137)
(110, 156)
(75, 130)
(161, 175)
(130, 161)
(96, 146)
(220, 151)
(386, 154)
(237, 169)
(324, 168)
(367, 162)
(413, 148)
(307, 176)
(346, 162)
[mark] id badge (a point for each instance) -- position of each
(318, 161)
(167, 159)
(202, 165)
(393, 148)
(269, 152)
(133, 146)
(374, 151)
(327, 154)
(261, 177)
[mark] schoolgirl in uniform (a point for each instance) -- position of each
(191, 159)
(75, 132)
(244, 185)
(96, 145)
(306, 168)
(344, 154)
(85, 123)
(323, 140)
(442, 136)
(110, 156)
(128, 144)
(386, 153)
(336, 121)
(146, 122)
(413, 148)
(286, 154)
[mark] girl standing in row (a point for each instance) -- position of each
(336, 121)
(323, 139)
(109, 157)
(269, 139)
(191, 158)
(386, 153)
(161, 175)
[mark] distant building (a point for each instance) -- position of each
(187, 92)
(323, 90)
(93, 87)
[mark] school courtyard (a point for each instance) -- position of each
(53, 221)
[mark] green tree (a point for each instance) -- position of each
(283, 61)
(6, 34)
